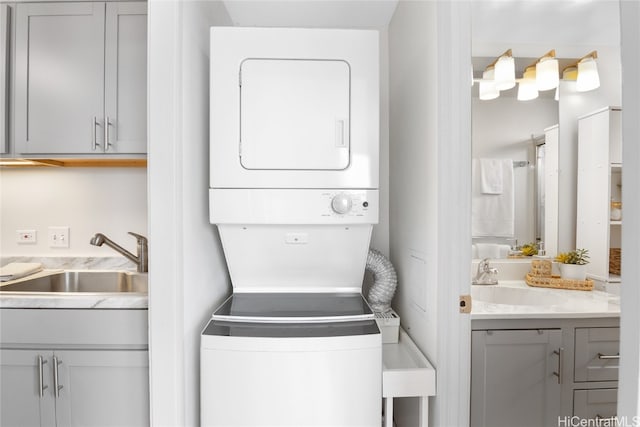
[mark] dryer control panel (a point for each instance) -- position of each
(351, 203)
(293, 206)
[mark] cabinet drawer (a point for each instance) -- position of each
(596, 354)
(597, 403)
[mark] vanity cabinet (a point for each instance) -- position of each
(529, 372)
(515, 377)
(599, 183)
(80, 78)
(594, 404)
(74, 367)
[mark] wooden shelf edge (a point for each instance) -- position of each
(79, 163)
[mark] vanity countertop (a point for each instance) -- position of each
(70, 300)
(514, 299)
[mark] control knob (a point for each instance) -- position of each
(341, 203)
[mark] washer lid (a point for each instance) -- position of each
(294, 308)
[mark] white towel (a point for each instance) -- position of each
(493, 215)
(16, 270)
(491, 176)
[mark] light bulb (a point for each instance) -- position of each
(547, 73)
(588, 78)
(488, 90)
(505, 73)
(527, 90)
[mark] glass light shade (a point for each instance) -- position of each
(547, 74)
(505, 73)
(588, 78)
(527, 90)
(488, 90)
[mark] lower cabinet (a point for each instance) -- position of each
(74, 388)
(516, 377)
(538, 372)
(79, 368)
(595, 404)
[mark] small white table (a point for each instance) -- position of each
(406, 373)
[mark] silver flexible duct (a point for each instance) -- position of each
(385, 281)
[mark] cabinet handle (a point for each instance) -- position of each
(42, 387)
(558, 373)
(608, 356)
(56, 382)
(107, 144)
(94, 140)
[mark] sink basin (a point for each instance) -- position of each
(83, 281)
(516, 296)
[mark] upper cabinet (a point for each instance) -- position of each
(4, 63)
(80, 78)
(599, 184)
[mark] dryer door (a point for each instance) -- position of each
(294, 114)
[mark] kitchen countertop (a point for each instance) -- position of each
(85, 300)
(514, 299)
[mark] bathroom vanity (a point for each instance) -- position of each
(539, 354)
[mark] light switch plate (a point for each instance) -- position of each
(58, 237)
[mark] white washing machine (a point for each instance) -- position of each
(294, 177)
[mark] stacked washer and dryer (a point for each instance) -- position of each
(294, 194)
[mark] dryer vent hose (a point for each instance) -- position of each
(385, 281)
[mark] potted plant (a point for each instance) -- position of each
(573, 264)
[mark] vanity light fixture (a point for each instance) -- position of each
(487, 89)
(547, 71)
(584, 72)
(527, 89)
(505, 71)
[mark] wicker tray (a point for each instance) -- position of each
(557, 282)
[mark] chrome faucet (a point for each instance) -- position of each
(141, 260)
(486, 275)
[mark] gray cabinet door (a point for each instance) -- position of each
(103, 388)
(126, 77)
(59, 77)
(512, 378)
(20, 388)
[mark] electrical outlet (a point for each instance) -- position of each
(58, 237)
(26, 236)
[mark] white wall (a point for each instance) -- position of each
(502, 128)
(187, 271)
(112, 201)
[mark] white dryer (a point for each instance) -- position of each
(294, 194)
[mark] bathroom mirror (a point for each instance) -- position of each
(505, 128)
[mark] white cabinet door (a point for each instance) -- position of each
(102, 388)
(4, 64)
(24, 400)
(126, 77)
(512, 378)
(59, 79)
